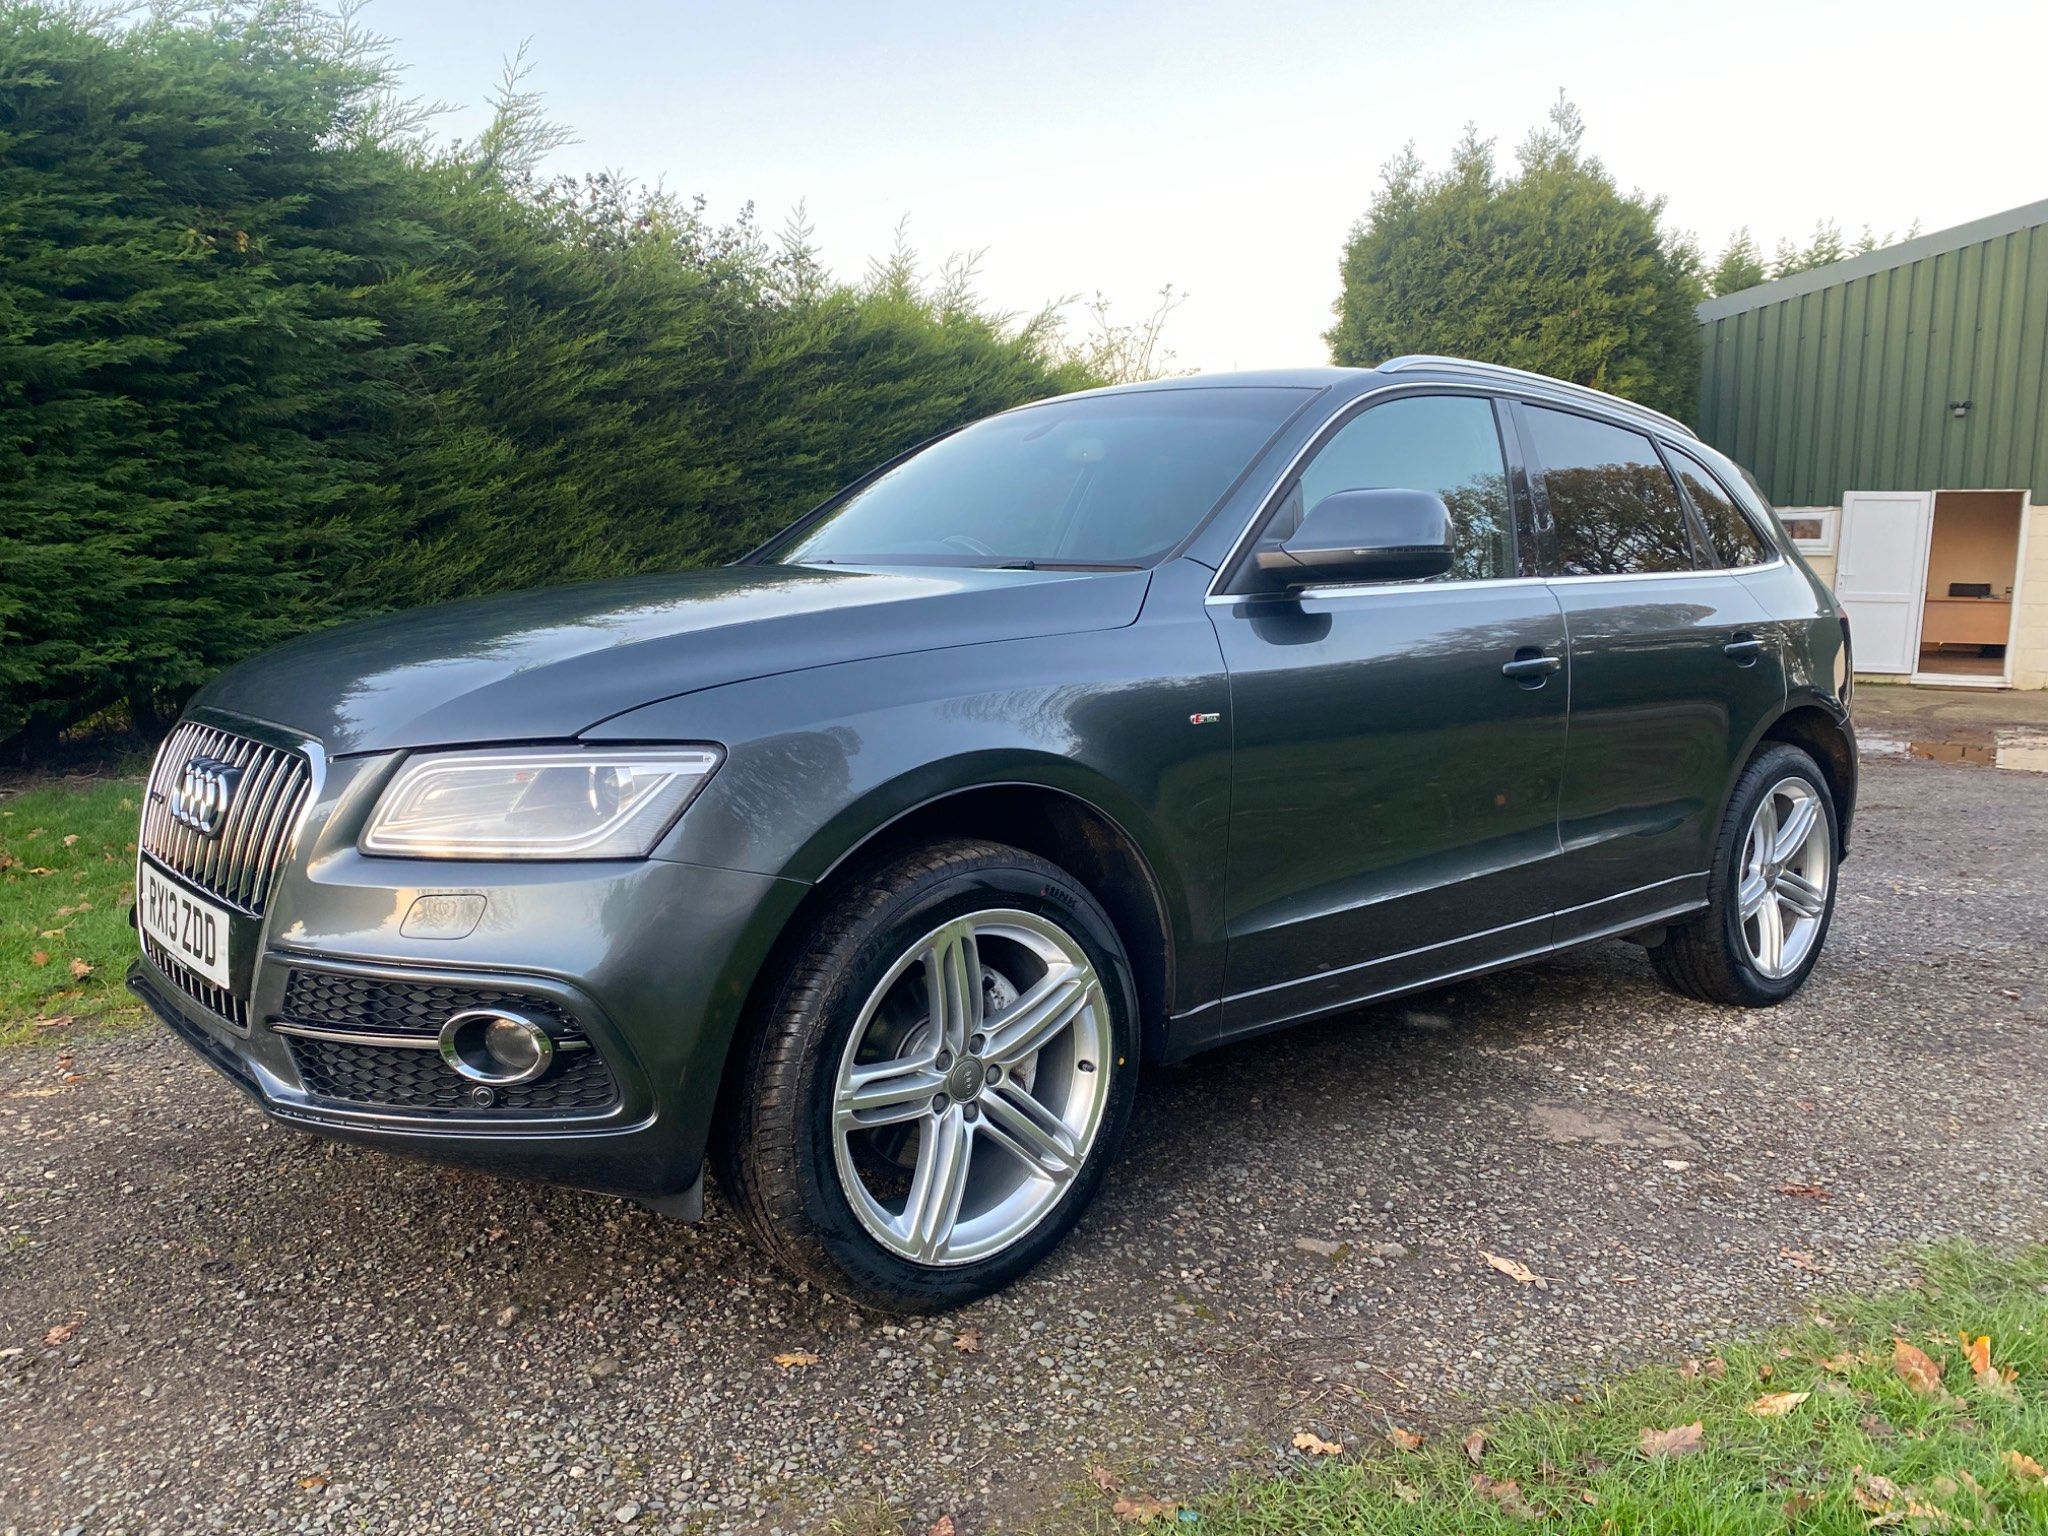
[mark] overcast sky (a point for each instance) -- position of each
(1227, 148)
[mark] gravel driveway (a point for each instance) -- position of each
(208, 1323)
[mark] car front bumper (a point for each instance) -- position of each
(645, 966)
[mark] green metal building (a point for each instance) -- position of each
(1895, 407)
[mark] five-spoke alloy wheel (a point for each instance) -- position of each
(931, 1101)
(971, 1087)
(1787, 863)
(1771, 892)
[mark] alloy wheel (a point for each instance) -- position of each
(972, 1087)
(1787, 862)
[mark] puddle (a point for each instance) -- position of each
(2020, 749)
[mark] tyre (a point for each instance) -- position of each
(1772, 889)
(939, 1081)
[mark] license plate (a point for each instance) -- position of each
(192, 929)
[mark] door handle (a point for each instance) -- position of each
(1531, 668)
(1743, 649)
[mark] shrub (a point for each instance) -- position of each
(269, 358)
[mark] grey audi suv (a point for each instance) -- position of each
(870, 869)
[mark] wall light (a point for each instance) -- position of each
(1959, 408)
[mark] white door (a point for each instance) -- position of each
(1881, 575)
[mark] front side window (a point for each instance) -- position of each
(1097, 480)
(1614, 507)
(1448, 444)
(1731, 533)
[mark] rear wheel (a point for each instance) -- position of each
(1773, 889)
(932, 1099)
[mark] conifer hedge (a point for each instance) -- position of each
(270, 357)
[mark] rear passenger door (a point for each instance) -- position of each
(1673, 671)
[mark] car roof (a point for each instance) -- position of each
(1421, 366)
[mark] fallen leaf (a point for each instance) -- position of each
(40, 957)
(1407, 1493)
(2024, 1467)
(1315, 1445)
(968, 1341)
(1775, 1405)
(1143, 1509)
(1475, 1445)
(1873, 1494)
(79, 969)
(1836, 1365)
(1801, 1258)
(1806, 1191)
(1715, 1369)
(60, 1334)
(1656, 1444)
(317, 1480)
(70, 838)
(1798, 1505)
(1516, 1271)
(1404, 1439)
(1917, 1368)
(793, 1359)
(1102, 1478)
(1507, 1494)
(1977, 1352)
(943, 1526)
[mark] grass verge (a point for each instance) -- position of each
(1872, 1416)
(67, 875)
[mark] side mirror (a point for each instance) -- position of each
(1387, 535)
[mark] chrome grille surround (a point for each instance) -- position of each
(239, 862)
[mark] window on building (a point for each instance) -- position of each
(1729, 531)
(1613, 505)
(1812, 528)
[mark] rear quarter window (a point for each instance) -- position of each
(1733, 537)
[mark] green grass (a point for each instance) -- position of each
(1864, 1451)
(67, 874)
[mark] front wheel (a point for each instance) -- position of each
(1773, 889)
(934, 1094)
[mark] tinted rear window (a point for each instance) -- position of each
(1097, 480)
(1734, 538)
(1612, 502)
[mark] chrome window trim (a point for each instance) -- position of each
(1524, 379)
(1375, 589)
(1484, 388)
(1711, 570)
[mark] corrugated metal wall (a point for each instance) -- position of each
(1823, 385)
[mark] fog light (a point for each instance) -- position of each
(502, 1049)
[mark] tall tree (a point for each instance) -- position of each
(1741, 265)
(1550, 267)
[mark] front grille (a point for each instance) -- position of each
(239, 863)
(404, 1077)
(408, 1077)
(215, 1000)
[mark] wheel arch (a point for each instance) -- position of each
(1821, 730)
(1056, 823)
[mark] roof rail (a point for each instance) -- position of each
(1535, 381)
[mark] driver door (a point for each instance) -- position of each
(1394, 792)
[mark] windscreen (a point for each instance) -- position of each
(1098, 480)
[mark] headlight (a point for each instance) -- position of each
(552, 803)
